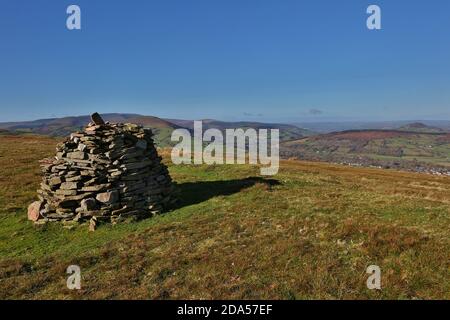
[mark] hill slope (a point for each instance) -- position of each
(386, 148)
(287, 132)
(162, 128)
(328, 127)
(420, 127)
(64, 126)
(309, 232)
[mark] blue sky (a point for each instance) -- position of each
(263, 60)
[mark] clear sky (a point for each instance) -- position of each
(267, 60)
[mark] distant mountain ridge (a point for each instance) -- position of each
(287, 131)
(162, 128)
(406, 145)
(327, 127)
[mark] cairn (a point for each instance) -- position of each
(107, 172)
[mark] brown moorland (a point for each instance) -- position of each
(308, 232)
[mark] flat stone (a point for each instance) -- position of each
(45, 187)
(72, 173)
(91, 182)
(78, 197)
(108, 197)
(88, 204)
(131, 155)
(78, 161)
(97, 158)
(74, 179)
(70, 185)
(34, 211)
(136, 165)
(77, 155)
(134, 177)
(87, 139)
(65, 215)
(60, 155)
(92, 129)
(66, 192)
(95, 188)
(83, 168)
(133, 187)
(76, 135)
(141, 144)
(88, 173)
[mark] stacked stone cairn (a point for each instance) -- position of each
(107, 172)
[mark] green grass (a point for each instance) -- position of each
(426, 148)
(309, 232)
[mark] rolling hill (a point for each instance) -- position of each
(419, 151)
(328, 127)
(414, 146)
(287, 132)
(420, 127)
(162, 128)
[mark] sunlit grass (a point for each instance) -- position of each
(310, 232)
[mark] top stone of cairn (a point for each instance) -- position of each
(97, 119)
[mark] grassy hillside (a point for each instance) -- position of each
(377, 147)
(309, 232)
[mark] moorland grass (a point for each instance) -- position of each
(307, 233)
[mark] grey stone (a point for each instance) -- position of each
(82, 147)
(66, 192)
(74, 179)
(97, 119)
(137, 165)
(96, 188)
(77, 155)
(141, 144)
(109, 197)
(70, 185)
(88, 204)
(55, 181)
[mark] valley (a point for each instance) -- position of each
(411, 146)
(427, 152)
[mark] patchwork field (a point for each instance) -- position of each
(308, 232)
(416, 151)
